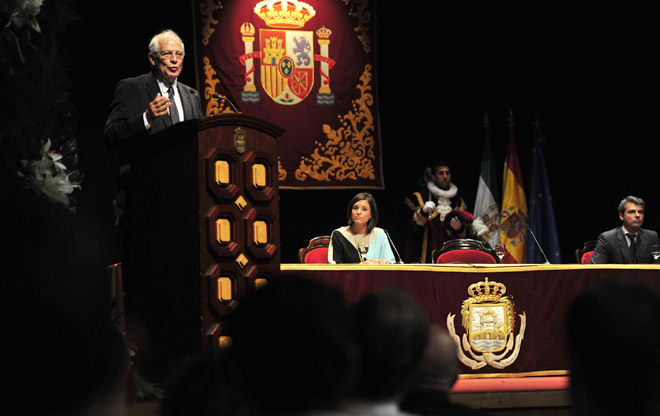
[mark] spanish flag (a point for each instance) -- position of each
(513, 219)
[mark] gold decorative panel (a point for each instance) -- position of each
(260, 282)
(242, 261)
(224, 289)
(260, 232)
(240, 203)
(224, 341)
(222, 172)
(259, 175)
(223, 230)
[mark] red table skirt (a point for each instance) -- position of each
(538, 296)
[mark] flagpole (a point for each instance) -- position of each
(542, 223)
(513, 219)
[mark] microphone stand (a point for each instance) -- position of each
(397, 257)
(222, 97)
(539, 246)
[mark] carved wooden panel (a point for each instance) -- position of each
(240, 219)
(202, 229)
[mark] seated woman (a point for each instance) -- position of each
(361, 241)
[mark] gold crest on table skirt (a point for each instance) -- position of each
(488, 318)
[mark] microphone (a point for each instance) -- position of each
(222, 97)
(397, 257)
(539, 246)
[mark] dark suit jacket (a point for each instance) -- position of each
(131, 99)
(612, 247)
(125, 122)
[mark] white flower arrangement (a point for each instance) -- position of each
(25, 14)
(48, 176)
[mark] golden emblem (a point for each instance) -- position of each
(488, 318)
(240, 141)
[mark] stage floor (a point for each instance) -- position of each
(514, 395)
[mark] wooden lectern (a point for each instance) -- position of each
(202, 229)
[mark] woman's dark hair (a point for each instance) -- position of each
(364, 196)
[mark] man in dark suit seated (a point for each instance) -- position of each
(151, 102)
(630, 243)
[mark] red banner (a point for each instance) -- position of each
(306, 66)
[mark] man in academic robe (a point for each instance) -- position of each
(438, 215)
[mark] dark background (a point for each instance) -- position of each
(590, 75)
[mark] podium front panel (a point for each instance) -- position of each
(202, 229)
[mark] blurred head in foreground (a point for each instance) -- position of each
(612, 344)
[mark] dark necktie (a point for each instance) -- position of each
(633, 248)
(174, 112)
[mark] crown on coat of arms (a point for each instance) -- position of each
(323, 32)
(289, 14)
(247, 29)
(487, 291)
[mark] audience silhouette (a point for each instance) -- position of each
(391, 331)
(292, 347)
(297, 349)
(613, 346)
(204, 385)
(438, 371)
(62, 345)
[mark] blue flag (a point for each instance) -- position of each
(542, 225)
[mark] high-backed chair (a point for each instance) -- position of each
(465, 250)
(583, 255)
(316, 251)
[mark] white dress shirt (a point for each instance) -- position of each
(177, 100)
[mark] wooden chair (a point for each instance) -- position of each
(465, 250)
(583, 255)
(316, 251)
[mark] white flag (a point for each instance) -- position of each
(486, 206)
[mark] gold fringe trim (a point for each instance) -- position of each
(545, 373)
(466, 268)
